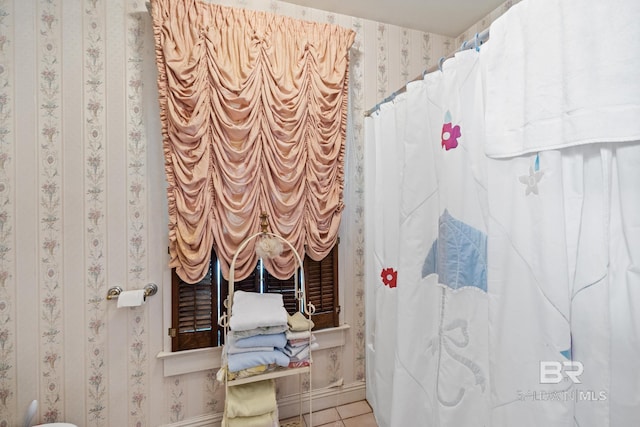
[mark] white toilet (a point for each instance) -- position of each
(31, 413)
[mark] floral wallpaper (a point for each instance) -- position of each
(137, 220)
(82, 182)
(354, 185)
(382, 60)
(50, 269)
(8, 361)
(95, 204)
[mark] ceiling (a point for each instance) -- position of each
(446, 17)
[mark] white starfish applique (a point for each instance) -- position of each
(531, 181)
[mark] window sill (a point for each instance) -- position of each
(331, 337)
(203, 359)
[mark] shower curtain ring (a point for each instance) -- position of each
(440, 62)
(476, 43)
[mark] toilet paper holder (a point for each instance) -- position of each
(149, 290)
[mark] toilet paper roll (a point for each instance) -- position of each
(131, 298)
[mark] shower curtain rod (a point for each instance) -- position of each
(474, 43)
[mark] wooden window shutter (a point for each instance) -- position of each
(249, 284)
(195, 309)
(322, 289)
(285, 287)
(194, 312)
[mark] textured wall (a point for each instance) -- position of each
(82, 208)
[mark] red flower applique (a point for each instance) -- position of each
(450, 134)
(389, 277)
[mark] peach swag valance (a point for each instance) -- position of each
(253, 108)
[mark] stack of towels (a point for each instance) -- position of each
(251, 405)
(300, 341)
(262, 335)
(258, 323)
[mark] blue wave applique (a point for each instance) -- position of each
(458, 256)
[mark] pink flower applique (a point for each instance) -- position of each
(389, 277)
(450, 134)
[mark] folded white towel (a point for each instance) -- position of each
(251, 310)
(292, 351)
(298, 335)
(561, 73)
(304, 354)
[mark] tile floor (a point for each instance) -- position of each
(357, 414)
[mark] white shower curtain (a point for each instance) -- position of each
(564, 285)
(431, 174)
(512, 234)
(383, 227)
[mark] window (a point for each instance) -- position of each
(196, 307)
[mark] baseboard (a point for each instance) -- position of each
(289, 406)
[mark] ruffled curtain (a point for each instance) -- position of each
(253, 108)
